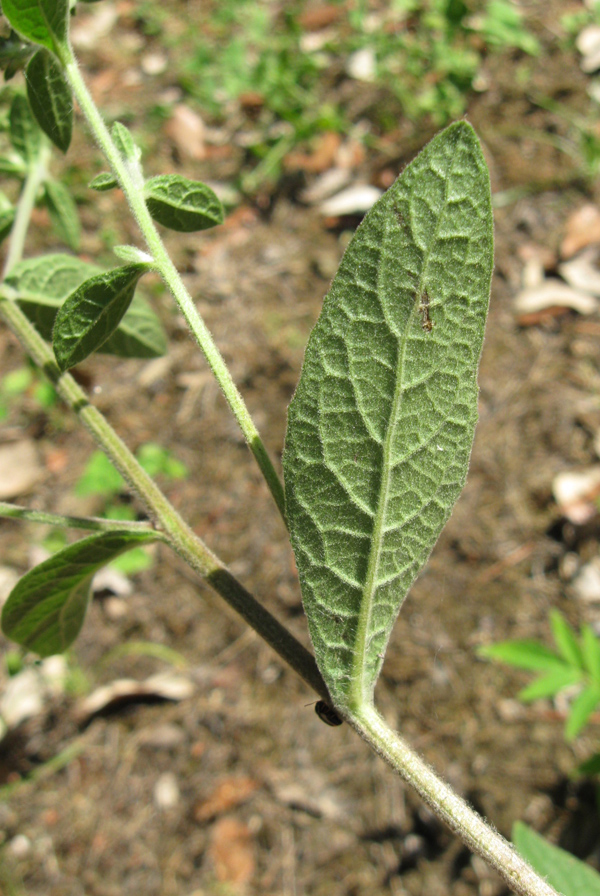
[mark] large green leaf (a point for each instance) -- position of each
(182, 204)
(46, 608)
(44, 22)
(381, 426)
(563, 871)
(50, 98)
(42, 284)
(93, 312)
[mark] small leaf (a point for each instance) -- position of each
(565, 639)
(523, 654)
(550, 684)
(132, 255)
(63, 213)
(567, 874)
(44, 22)
(42, 284)
(381, 426)
(125, 142)
(50, 98)
(581, 710)
(25, 135)
(181, 204)
(590, 645)
(92, 313)
(103, 182)
(46, 608)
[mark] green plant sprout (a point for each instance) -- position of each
(574, 665)
(379, 431)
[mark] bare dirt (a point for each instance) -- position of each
(267, 798)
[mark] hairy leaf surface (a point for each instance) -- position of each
(103, 182)
(42, 284)
(562, 870)
(50, 98)
(46, 608)
(181, 204)
(93, 312)
(381, 426)
(44, 22)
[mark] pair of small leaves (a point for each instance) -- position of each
(46, 608)
(174, 201)
(41, 286)
(92, 313)
(575, 662)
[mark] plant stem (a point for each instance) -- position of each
(92, 523)
(129, 180)
(447, 805)
(179, 535)
(34, 180)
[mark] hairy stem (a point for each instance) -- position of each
(34, 180)
(480, 837)
(92, 523)
(129, 182)
(178, 534)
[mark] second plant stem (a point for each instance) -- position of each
(129, 180)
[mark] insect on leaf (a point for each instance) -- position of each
(50, 98)
(381, 426)
(46, 608)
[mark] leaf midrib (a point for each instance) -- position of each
(357, 695)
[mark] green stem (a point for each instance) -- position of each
(129, 180)
(34, 180)
(179, 535)
(92, 523)
(447, 805)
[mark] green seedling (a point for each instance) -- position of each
(379, 432)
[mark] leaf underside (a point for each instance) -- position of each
(381, 426)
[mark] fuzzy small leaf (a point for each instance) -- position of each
(50, 98)
(44, 22)
(181, 204)
(125, 142)
(42, 284)
(581, 709)
(93, 312)
(25, 135)
(63, 213)
(563, 871)
(46, 608)
(550, 684)
(381, 426)
(524, 655)
(103, 182)
(565, 639)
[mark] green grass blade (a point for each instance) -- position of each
(581, 709)
(566, 639)
(550, 684)
(523, 654)
(381, 426)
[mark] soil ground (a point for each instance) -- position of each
(268, 799)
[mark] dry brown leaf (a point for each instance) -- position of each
(187, 131)
(317, 17)
(229, 793)
(20, 468)
(582, 229)
(231, 851)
